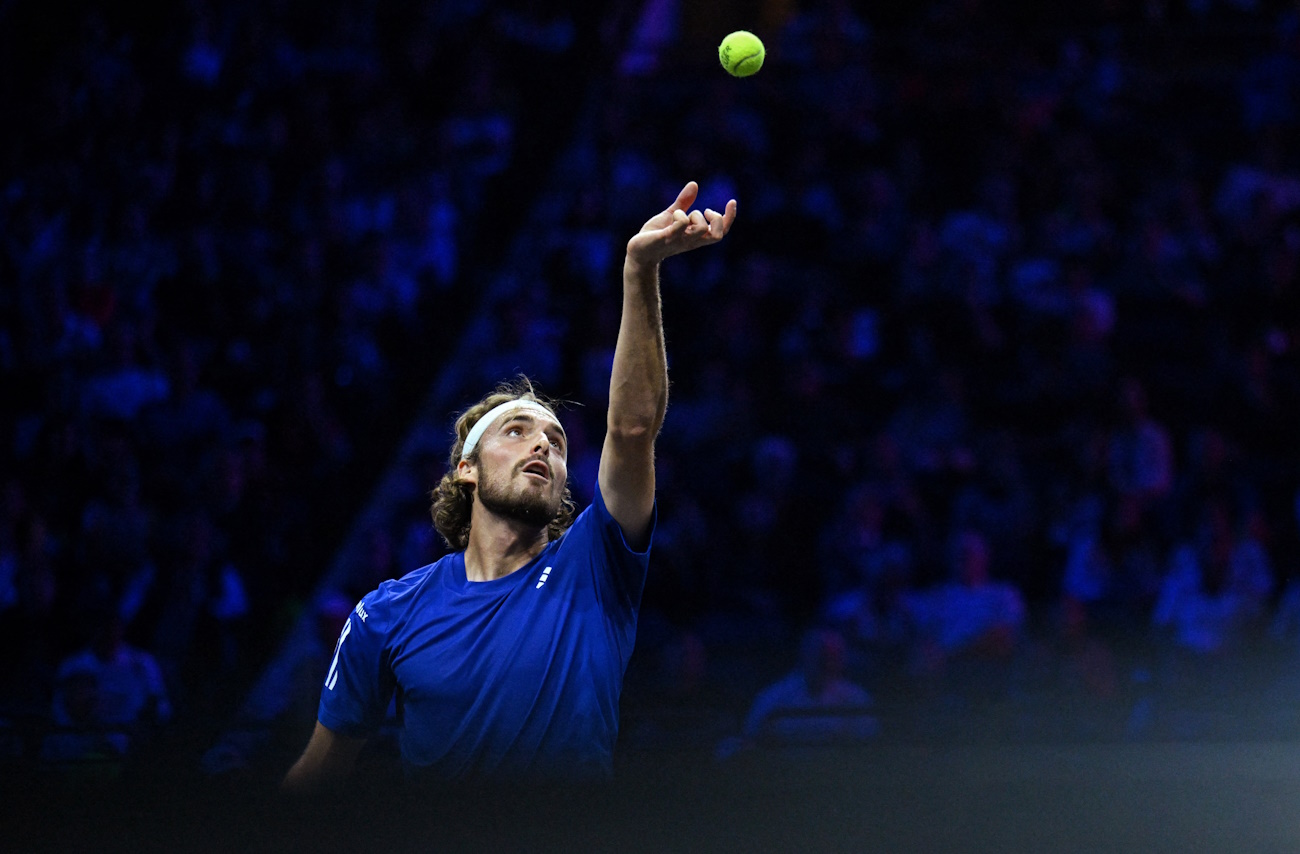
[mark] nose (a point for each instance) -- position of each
(542, 443)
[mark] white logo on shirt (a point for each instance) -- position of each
(333, 675)
(545, 572)
(361, 611)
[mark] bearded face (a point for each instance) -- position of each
(522, 470)
(520, 496)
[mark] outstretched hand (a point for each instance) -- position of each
(675, 230)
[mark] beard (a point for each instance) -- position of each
(536, 508)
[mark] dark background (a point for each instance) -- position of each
(1018, 274)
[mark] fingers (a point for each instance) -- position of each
(682, 229)
(715, 223)
(679, 222)
(720, 223)
(686, 197)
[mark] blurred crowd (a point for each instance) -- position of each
(235, 239)
(992, 389)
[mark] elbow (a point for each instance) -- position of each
(634, 431)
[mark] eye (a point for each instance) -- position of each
(515, 431)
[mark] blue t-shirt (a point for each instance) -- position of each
(518, 676)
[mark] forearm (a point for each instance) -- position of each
(324, 765)
(638, 386)
(306, 775)
(312, 774)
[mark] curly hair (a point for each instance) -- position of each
(453, 498)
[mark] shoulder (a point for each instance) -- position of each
(595, 513)
(379, 608)
(595, 523)
(398, 590)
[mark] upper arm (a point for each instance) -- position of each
(627, 483)
(359, 684)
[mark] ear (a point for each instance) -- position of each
(467, 472)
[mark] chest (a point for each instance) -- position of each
(527, 638)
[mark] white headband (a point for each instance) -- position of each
(480, 426)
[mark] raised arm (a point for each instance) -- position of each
(638, 384)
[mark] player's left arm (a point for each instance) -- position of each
(638, 384)
(325, 763)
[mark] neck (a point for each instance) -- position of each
(498, 547)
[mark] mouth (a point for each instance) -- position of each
(537, 468)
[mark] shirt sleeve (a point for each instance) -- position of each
(626, 568)
(359, 683)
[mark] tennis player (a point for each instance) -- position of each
(507, 656)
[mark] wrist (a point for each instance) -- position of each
(634, 266)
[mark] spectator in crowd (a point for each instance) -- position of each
(79, 744)
(199, 612)
(968, 627)
(815, 704)
(874, 567)
(1212, 612)
(109, 699)
(128, 384)
(1141, 450)
(1217, 588)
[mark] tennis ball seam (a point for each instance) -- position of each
(736, 66)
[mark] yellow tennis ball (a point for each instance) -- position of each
(741, 53)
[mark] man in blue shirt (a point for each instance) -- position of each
(507, 656)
